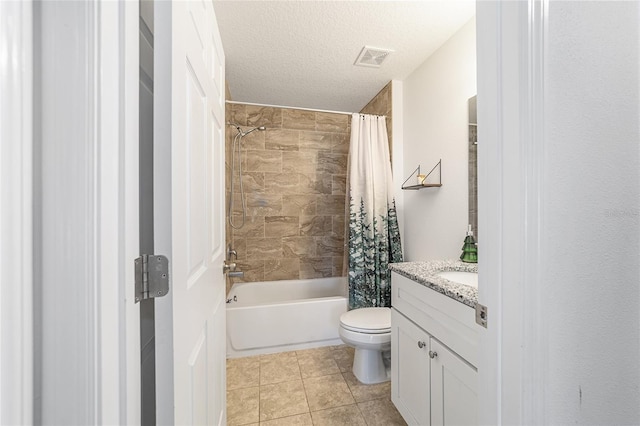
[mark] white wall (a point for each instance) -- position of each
(397, 148)
(559, 114)
(591, 214)
(436, 126)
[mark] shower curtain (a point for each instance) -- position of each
(373, 235)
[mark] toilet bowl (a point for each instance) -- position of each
(368, 330)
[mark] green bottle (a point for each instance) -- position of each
(469, 248)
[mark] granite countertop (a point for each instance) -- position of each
(425, 273)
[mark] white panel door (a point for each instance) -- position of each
(454, 399)
(410, 370)
(197, 214)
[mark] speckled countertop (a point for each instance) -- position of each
(426, 273)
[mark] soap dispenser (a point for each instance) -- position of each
(469, 248)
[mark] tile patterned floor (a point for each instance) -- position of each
(309, 387)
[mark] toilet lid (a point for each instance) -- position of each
(367, 320)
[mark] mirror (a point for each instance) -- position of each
(473, 166)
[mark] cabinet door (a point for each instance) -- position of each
(453, 388)
(409, 370)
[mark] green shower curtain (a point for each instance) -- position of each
(374, 236)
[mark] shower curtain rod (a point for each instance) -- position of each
(290, 107)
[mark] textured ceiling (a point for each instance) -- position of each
(301, 53)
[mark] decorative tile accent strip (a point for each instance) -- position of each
(426, 273)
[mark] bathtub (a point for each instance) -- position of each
(278, 316)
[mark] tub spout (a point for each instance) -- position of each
(235, 274)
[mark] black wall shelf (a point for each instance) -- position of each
(423, 185)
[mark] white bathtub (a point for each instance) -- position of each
(278, 316)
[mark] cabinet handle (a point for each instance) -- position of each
(421, 345)
(433, 354)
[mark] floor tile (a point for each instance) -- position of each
(297, 420)
(362, 392)
(381, 412)
(344, 358)
(279, 369)
(243, 372)
(243, 406)
(304, 388)
(321, 351)
(232, 362)
(278, 355)
(282, 400)
(348, 415)
(327, 392)
(317, 365)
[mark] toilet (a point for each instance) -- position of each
(368, 330)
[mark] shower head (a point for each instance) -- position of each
(261, 128)
(245, 133)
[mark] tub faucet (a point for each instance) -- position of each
(235, 274)
(228, 267)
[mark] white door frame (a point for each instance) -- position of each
(118, 112)
(16, 249)
(511, 49)
(86, 206)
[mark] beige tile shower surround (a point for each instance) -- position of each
(309, 387)
(294, 176)
(294, 181)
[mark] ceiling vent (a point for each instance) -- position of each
(372, 57)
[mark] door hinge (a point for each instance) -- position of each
(152, 277)
(481, 315)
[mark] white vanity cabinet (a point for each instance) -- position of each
(433, 352)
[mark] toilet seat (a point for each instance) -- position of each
(367, 320)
